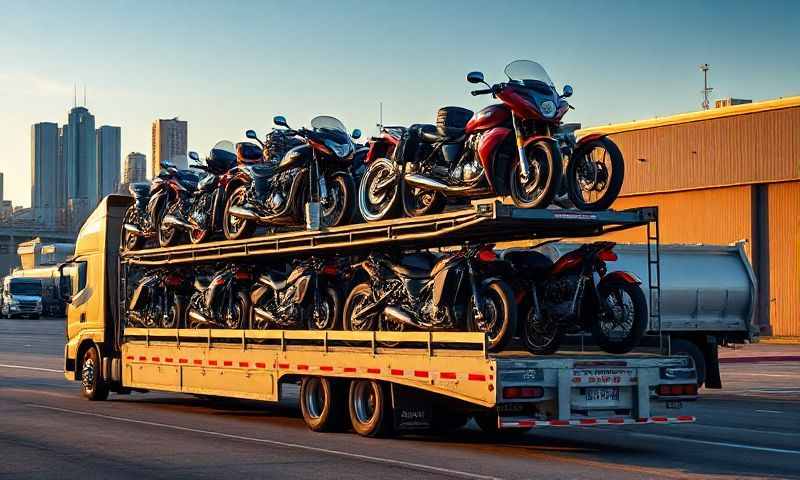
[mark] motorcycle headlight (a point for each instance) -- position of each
(548, 108)
(342, 150)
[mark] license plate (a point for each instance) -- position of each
(602, 394)
(675, 404)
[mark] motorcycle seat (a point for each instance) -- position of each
(275, 280)
(411, 272)
(442, 135)
(201, 284)
(528, 262)
(415, 265)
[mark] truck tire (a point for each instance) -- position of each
(322, 404)
(680, 346)
(369, 406)
(93, 385)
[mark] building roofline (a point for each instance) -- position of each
(774, 104)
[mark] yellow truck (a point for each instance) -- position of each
(372, 382)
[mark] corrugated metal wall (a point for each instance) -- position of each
(711, 216)
(784, 257)
(756, 147)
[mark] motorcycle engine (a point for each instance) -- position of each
(276, 200)
(468, 170)
(558, 296)
(199, 213)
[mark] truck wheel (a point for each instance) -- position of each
(322, 404)
(690, 349)
(370, 413)
(93, 386)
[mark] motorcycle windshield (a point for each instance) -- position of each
(333, 134)
(527, 72)
(325, 122)
(225, 145)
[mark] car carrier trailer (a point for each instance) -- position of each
(376, 382)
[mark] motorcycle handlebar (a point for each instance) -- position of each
(482, 92)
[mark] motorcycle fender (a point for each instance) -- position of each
(621, 276)
(303, 287)
(445, 283)
(138, 294)
(156, 201)
(589, 138)
(487, 149)
(235, 178)
(487, 281)
(258, 293)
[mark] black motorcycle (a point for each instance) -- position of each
(142, 220)
(263, 193)
(199, 212)
(222, 300)
(563, 297)
(159, 299)
(420, 291)
(305, 298)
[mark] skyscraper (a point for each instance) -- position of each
(44, 168)
(135, 168)
(169, 144)
(109, 151)
(80, 159)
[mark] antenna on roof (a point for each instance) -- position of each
(706, 89)
(84, 95)
(74, 94)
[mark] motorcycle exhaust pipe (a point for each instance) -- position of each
(129, 227)
(244, 213)
(421, 181)
(173, 221)
(398, 315)
(194, 315)
(262, 315)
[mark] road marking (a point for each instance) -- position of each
(768, 411)
(741, 429)
(718, 444)
(369, 458)
(780, 375)
(39, 369)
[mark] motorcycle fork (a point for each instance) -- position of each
(476, 295)
(524, 167)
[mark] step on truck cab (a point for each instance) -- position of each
(373, 382)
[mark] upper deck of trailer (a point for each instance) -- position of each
(487, 221)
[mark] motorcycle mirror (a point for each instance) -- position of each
(251, 134)
(280, 121)
(475, 77)
(167, 165)
(194, 156)
(567, 91)
(356, 134)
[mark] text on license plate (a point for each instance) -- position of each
(602, 394)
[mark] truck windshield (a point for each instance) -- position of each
(25, 288)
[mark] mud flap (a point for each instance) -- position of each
(411, 410)
(711, 353)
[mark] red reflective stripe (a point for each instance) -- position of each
(168, 359)
(447, 375)
(588, 421)
(283, 365)
(349, 369)
(302, 367)
(396, 371)
(616, 420)
(129, 357)
(183, 360)
(142, 359)
(326, 368)
(659, 419)
(197, 361)
(261, 365)
(642, 420)
(155, 359)
(684, 418)
(212, 362)
(227, 363)
(421, 373)
(559, 422)
(478, 377)
(373, 370)
(527, 423)
(244, 364)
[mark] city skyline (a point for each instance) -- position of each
(625, 60)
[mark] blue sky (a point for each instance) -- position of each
(227, 69)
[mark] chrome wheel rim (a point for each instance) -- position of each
(616, 321)
(364, 401)
(88, 373)
(315, 398)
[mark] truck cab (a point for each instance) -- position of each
(22, 297)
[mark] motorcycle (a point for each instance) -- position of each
(563, 297)
(422, 292)
(142, 220)
(503, 149)
(159, 300)
(306, 298)
(221, 301)
(315, 171)
(199, 211)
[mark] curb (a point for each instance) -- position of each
(765, 358)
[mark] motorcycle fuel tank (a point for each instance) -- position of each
(486, 118)
(296, 157)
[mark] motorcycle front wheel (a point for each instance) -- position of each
(542, 335)
(167, 236)
(543, 180)
(130, 240)
(595, 173)
(238, 313)
(175, 313)
(379, 194)
(499, 315)
(621, 319)
(337, 209)
(359, 298)
(233, 227)
(324, 316)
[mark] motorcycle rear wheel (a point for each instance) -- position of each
(372, 204)
(168, 236)
(583, 179)
(417, 202)
(625, 298)
(542, 336)
(131, 241)
(237, 317)
(499, 312)
(235, 228)
(329, 311)
(545, 174)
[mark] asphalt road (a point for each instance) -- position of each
(750, 429)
